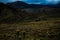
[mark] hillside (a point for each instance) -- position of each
(41, 23)
(9, 14)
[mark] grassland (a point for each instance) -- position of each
(41, 30)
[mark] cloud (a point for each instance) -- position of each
(33, 1)
(5, 1)
(52, 1)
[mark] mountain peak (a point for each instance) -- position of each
(18, 4)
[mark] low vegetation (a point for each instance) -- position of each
(42, 30)
(15, 24)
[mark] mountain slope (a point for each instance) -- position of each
(10, 15)
(19, 4)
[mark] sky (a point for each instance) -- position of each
(33, 1)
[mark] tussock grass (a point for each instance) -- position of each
(41, 30)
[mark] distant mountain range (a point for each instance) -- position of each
(20, 11)
(21, 4)
(18, 4)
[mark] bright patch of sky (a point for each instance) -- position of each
(33, 1)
